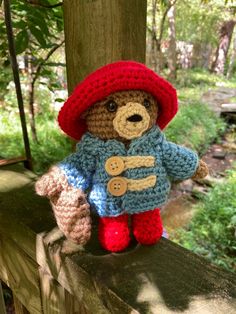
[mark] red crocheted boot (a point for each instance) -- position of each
(113, 233)
(147, 227)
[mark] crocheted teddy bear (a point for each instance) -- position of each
(123, 162)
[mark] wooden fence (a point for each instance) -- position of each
(48, 274)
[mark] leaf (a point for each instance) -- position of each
(38, 35)
(21, 42)
(19, 24)
(39, 22)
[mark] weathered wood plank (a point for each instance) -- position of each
(55, 299)
(4, 162)
(23, 213)
(76, 281)
(2, 303)
(99, 32)
(228, 108)
(19, 308)
(164, 278)
(20, 273)
(159, 279)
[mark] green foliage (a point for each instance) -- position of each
(200, 80)
(53, 145)
(212, 230)
(198, 22)
(195, 126)
(36, 30)
(36, 27)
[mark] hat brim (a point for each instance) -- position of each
(115, 77)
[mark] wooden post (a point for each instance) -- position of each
(98, 32)
(2, 303)
(19, 307)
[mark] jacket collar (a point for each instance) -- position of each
(152, 135)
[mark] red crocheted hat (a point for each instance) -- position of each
(111, 78)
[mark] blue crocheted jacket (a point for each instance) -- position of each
(85, 170)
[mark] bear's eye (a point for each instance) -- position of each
(111, 106)
(146, 103)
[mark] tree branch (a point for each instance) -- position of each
(39, 4)
(42, 63)
(16, 76)
(171, 4)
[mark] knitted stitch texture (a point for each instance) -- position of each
(100, 121)
(85, 170)
(113, 233)
(202, 171)
(72, 214)
(147, 227)
(126, 128)
(115, 77)
(70, 206)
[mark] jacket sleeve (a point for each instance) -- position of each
(79, 167)
(180, 162)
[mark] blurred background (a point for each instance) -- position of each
(191, 43)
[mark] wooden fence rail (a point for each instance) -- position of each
(48, 274)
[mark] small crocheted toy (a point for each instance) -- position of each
(123, 162)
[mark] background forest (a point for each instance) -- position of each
(192, 44)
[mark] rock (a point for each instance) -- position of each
(228, 108)
(199, 191)
(230, 146)
(219, 154)
(186, 186)
(209, 181)
(215, 98)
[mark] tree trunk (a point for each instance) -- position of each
(16, 76)
(226, 32)
(99, 32)
(154, 57)
(32, 112)
(172, 43)
(31, 100)
(232, 58)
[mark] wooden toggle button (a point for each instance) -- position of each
(117, 186)
(114, 165)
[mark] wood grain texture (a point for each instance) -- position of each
(55, 299)
(19, 307)
(74, 279)
(161, 279)
(164, 278)
(4, 162)
(2, 303)
(22, 213)
(20, 273)
(98, 32)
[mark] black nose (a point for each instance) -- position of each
(135, 118)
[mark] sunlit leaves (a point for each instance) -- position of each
(35, 27)
(36, 30)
